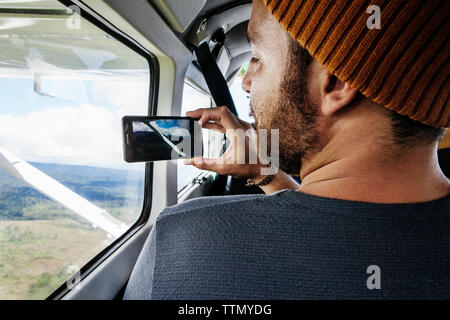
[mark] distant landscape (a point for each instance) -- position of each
(40, 238)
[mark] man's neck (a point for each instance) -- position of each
(375, 175)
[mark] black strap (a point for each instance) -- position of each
(222, 97)
(214, 78)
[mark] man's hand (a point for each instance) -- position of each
(235, 160)
(222, 120)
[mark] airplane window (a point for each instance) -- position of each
(65, 191)
(194, 98)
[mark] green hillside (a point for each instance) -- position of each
(116, 191)
(40, 238)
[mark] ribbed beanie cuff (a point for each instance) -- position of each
(403, 66)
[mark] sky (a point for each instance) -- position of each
(83, 131)
(64, 91)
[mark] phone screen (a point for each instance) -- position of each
(161, 138)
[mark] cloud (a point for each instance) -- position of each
(85, 134)
(174, 128)
(128, 97)
(77, 135)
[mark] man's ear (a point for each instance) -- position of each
(336, 94)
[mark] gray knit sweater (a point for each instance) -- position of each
(290, 245)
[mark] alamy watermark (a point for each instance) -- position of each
(247, 147)
(74, 20)
(75, 277)
(374, 20)
(374, 280)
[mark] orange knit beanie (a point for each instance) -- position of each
(400, 61)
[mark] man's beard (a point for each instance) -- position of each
(293, 114)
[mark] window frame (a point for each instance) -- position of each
(96, 19)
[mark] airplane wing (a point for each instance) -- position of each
(61, 194)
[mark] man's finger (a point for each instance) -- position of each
(222, 116)
(196, 113)
(212, 114)
(215, 165)
(214, 126)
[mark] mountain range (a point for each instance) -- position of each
(107, 188)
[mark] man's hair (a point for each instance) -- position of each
(406, 132)
(410, 133)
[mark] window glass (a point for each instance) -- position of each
(65, 191)
(194, 98)
(240, 97)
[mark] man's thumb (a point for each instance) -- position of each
(203, 163)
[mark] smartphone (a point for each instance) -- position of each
(148, 139)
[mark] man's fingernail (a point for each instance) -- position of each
(188, 161)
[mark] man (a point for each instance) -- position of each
(360, 111)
